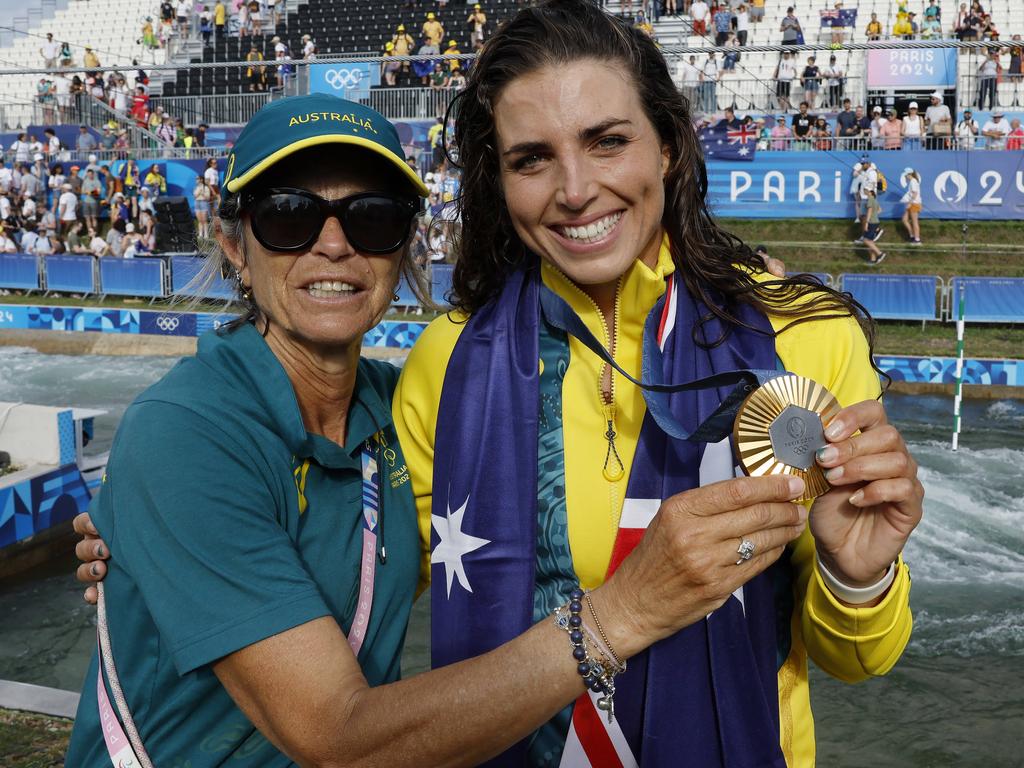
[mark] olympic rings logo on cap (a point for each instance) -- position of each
(340, 79)
(167, 323)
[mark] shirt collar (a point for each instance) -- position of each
(252, 370)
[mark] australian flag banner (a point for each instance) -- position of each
(708, 693)
(839, 17)
(721, 142)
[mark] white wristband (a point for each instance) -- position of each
(855, 595)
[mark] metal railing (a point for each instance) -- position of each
(767, 95)
(237, 108)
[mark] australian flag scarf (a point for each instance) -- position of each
(705, 697)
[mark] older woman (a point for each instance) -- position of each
(589, 262)
(258, 508)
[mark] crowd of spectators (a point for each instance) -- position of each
(853, 128)
(431, 40)
(87, 209)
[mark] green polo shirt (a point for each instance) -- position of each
(215, 547)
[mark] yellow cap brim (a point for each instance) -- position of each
(236, 184)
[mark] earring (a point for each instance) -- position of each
(394, 297)
(244, 291)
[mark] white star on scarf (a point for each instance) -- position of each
(454, 544)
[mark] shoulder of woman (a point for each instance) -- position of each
(428, 359)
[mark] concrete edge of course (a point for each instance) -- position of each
(38, 699)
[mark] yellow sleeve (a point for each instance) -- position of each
(414, 410)
(850, 644)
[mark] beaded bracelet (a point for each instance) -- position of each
(598, 673)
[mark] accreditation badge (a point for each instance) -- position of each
(780, 425)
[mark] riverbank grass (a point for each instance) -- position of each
(32, 741)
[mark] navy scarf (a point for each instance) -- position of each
(706, 696)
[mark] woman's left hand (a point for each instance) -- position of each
(863, 523)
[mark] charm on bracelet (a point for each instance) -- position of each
(779, 427)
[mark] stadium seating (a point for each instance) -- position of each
(111, 27)
(338, 28)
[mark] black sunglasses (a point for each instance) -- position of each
(286, 219)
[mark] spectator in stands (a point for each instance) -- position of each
(29, 184)
(458, 80)
(874, 28)
(147, 229)
(723, 24)
(821, 134)
(988, 72)
(902, 28)
(6, 244)
(810, 79)
(92, 190)
(939, 122)
(780, 134)
(836, 78)
(699, 13)
(49, 50)
(402, 41)
(968, 24)
(220, 19)
(477, 26)
(913, 128)
(149, 40)
(41, 172)
(890, 131)
(785, 73)
(1015, 138)
(75, 180)
(55, 182)
(21, 148)
(255, 74)
(46, 243)
(53, 147)
(97, 245)
(877, 121)
(931, 28)
(145, 202)
(742, 23)
(29, 235)
(155, 182)
(709, 77)
(967, 131)
(732, 55)
(912, 197)
(90, 60)
(115, 237)
(390, 67)
(729, 121)
(202, 196)
(255, 18)
(433, 30)
(183, 13)
(439, 78)
(933, 11)
(988, 29)
(66, 57)
(792, 32)
(453, 50)
(756, 11)
(67, 207)
(308, 47)
(846, 128)
(803, 121)
(166, 133)
(212, 177)
(690, 79)
(996, 130)
(86, 142)
(76, 240)
(206, 27)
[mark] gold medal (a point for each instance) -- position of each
(779, 427)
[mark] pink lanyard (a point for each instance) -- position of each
(119, 748)
(368, 564)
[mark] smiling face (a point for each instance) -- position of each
(328, 296)
(582, 169)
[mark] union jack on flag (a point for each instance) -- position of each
(741, 135)
(722, 143)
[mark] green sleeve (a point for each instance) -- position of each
(194, 516)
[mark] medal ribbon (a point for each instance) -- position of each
(655, 391)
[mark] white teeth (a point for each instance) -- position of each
(327, 288)
(593, 231)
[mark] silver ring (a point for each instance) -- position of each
(745, 551)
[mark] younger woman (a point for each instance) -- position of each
(912, 198)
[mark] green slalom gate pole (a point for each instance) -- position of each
(958, 396)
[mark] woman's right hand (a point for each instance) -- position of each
(685, 566)
(92, 551)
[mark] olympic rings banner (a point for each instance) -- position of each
(976, 184)
(350, 80)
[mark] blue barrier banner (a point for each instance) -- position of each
(894, 297)
(440, 282)
(942, 370)
(954, 185)
(167, 323)
(184, 270)
(988, 299)
(349, 79)
(73, 274)
(19, 271)
(132, 277)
